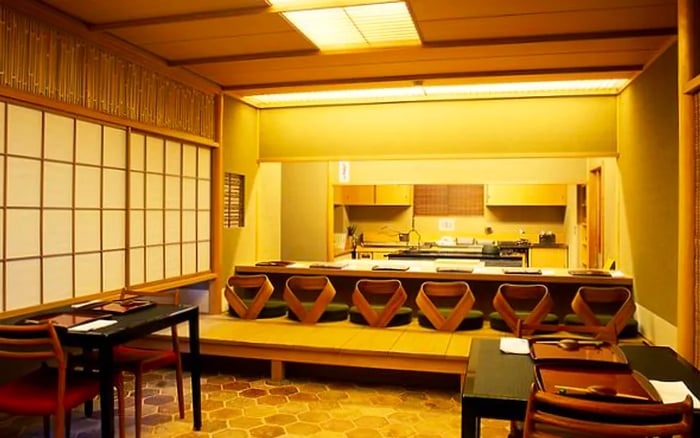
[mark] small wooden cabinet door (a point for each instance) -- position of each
(355, 195)
(549, 257)
(526, 194)
(394, 194)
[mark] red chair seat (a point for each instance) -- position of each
(37, 392)
(130, 358)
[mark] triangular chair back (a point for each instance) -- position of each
(319, 285)
(443, 290)
(397, 297)
(508, 292)
(588, 296)
(262, 295)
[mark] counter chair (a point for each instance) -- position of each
(368, 311)
(47, 390)
(554, 415)
(248, 297)
(612, 307)
(310, 300)
(432, 298)
(527, 303)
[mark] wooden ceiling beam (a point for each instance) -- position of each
(432, 76)
(179, 18)
(244, 57)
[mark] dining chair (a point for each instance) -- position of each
(47, 390)
(310, 300)
(611, 307)
(248, 297)
(368, 310)
(554, 415)
(515, 304)
(432, 301)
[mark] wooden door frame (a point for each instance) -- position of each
(595, 203)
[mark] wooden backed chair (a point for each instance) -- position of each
(612, 307)
(509, 303)
(554, 415)
(460, 316)
(248, 297)
(390, 313)
(321, 308)
(47, 391)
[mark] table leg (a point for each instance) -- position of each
(106, 361)
(195, 370)
(471, 426)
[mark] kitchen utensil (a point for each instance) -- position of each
(573, 344)
(547, 238)
(599, 390)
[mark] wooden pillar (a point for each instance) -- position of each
(217, 201)
(687, 215)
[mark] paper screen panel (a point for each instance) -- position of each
(189, 193)
(204, 163)
(58, 137)
(173, 151)
(203, 249)
(172, 226)
(23, 182)
(113, 229)
(87, 187)
(136, 189)
(58, 232)
(114, 188)
(154, 227)
(172, 260)
(203, 221)
(88, 143)
(189, 160)
(23, 286)
(154, 191)
(189, 226)
(172, 192)
(87, 224)
(23, 238)
(154, 263)
(154, 155)
(24, 128)
(137, 227)
(114, 148)
(203, 194)
(57, 278)
(87, 275)
(113, 270)
(137, 265)
(137, 147)
(58, 183)
(189, 258)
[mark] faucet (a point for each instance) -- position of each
(413, 230)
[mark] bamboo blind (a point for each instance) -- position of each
(39, 59)
(448, 200)
(234, 189)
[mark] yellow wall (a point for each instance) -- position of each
(648, 166)
(517, 127)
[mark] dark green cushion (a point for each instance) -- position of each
(272, 309)
(497, 323)
(473, 321)
(334, 312)
(403, 316)
(631, 329)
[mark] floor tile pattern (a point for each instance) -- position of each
(242, 407)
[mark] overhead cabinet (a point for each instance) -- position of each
(389, 194)
(526, 195)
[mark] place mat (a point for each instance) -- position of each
(390, 268)
(584, 352)
(328, 265)
(63, 319)
(465, 269)
(274, 263)
(622, 385)
(528, 271)
(590, 272)
(125, 306)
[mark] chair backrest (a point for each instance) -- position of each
(554, 415)
(261, 287)
(587, 297)
(392, 288)
(508, 294)
(298, 285)
(450, 289)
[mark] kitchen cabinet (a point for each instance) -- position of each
(390, 194)
(526, 195)
(549, 257)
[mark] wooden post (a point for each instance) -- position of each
(217, 200)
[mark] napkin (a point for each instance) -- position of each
(515, 346)
(92, 325)
(672, 392)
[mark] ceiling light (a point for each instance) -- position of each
(371, 25)
(588, 86)
(334, 96)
